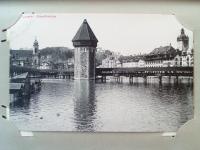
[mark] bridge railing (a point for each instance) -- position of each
(35, 71)
(185, 71)
(111, 71)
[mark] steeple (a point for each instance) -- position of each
(183, 41)
(182, 36)
(35, 46)
(36, 54)
(182, 31)
(35, 42)
(84, 36)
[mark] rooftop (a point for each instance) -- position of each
(164, 53)
(16, 86)
(22, 53)
(21, 76)
(84, 35)
(163, 50)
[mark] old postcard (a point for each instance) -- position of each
(100, 72)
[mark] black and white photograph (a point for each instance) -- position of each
(103, 72)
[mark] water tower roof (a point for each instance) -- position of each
(84, 34)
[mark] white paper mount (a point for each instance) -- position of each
(172, 134)
(26, 133)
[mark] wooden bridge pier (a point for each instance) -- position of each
(119, 79)
(177, 78)
(117, 73)
(145, 79)
(160, 79)
(169, 77)
(103, 79)
(130, 79)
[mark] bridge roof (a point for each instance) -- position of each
(22, 53)
(16, 86)
(21, 76)
(85, 33)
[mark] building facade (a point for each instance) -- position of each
(168, 56)
(26, 58)
(130, 64)
(21, 58)
(163, 56)
(45, 66)
(111, 62)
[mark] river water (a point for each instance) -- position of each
(72, 105)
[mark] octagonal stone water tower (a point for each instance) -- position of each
(85, 43)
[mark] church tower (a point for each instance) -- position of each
(36, 54)
(183, 42)
(85, 43)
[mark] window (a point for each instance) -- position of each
(180, 61)
(176, 61)
(187, 61)
(84, 50)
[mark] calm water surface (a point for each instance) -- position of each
(70, 105)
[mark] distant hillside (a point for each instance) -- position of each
(63, 53)
(58, 53)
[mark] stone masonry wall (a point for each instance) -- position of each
(84, 66)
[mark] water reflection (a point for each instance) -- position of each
(84, 104)
(21, 104)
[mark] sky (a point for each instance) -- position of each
(124, 33)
